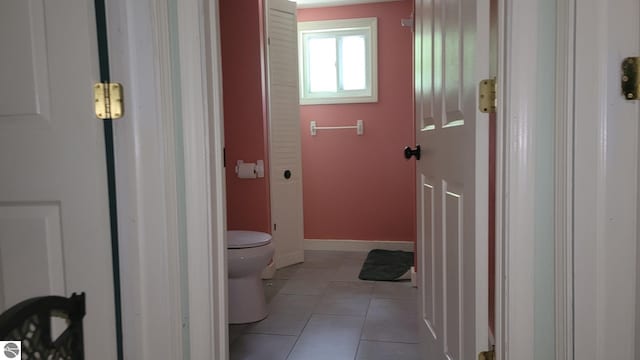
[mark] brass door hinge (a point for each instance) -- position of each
(630, 80)
(108, 100)
(487, 355)
(487, 96)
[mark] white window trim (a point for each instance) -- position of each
(368, 96)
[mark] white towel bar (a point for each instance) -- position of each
(359, 127)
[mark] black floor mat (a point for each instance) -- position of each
(386, 265)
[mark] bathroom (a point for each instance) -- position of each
(358, 191)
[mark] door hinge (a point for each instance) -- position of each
(630, 82)
(487, 95)
(108, 100)
(487, 355)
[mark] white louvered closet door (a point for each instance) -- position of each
(284, 132)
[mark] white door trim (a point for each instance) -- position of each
(199, 55)
(200, 76)
(515, 167)
(201, 105)
(606, 182)
(146, 169)
(145, 176)
(564, 147)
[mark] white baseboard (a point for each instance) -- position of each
(357, 245)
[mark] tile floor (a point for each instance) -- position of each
(321, 310)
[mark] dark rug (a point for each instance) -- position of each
(386, 265)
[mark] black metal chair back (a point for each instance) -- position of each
(30, 322)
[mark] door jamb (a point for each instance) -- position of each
(515, 166)
(564, 147)
(145, 177)
(518, 21)
(155, 306)
(201, 91)
(199, 54)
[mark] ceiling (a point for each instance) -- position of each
(325, 3)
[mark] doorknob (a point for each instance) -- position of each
(408, 152)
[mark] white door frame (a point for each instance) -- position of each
(201, 80)
(145, 177)
(564, 148)
(200, 91)
(164, 287)
(519, 23)
(514, 245)
(606, 183)
(145, 172)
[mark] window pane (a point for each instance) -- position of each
(337, 61)
(353, 63)
(322, 65)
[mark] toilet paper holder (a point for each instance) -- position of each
(258, 168)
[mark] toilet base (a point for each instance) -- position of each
(247, 302)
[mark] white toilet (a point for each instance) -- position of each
(249, 252)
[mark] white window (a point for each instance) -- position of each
(338, 61)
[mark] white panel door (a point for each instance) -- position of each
(54, 219)
(452, 41)
(285, 150)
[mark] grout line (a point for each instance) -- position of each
(299, 336)
(355, 356)
(263, 334)
(305, 324)
(391, 342)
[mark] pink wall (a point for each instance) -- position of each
(244, 112)
(355, 187)
(361, 187)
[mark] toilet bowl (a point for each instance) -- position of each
(248, 253)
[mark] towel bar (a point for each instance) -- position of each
(359, 127)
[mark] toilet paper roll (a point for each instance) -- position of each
(246, 170)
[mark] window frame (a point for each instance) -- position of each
(339, 28)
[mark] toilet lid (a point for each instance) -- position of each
(239, 239)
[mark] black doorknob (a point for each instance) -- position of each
(408, 152)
